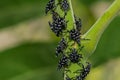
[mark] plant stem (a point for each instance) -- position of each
(71, 9)
(95, 32)
(70, 25)
(99, 27)
(70, 17)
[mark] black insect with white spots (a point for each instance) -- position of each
(50, 6)
(79, 78)
(84, 72)
(63, 62)
(58, 25)
(55, 29)
(55, 15)
(61, 47)
(61, 23)
(64, 5)
(78, 23)
(75, 35)
(74, 56)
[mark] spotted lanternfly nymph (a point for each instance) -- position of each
(63, 62)
(50, 6)
(58, 25)
(57, 30)
(78, 23)
(64, 6)
(51, 26)
(61, 23)
(75, 35)
(55, 15)
(79, 78)
(84, 72)
(74, 56)
(60, 48)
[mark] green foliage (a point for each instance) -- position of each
(15, 11)
(29, 62)
(108, 47)
(96, 31)
(90, 2)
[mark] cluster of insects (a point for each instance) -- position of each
(61, 47)
(58, 25)
(50, 6)
(81, 73)
(84, 72)
(72, 57)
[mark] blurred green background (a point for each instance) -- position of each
(27, 45)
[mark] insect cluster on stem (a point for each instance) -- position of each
(74, 56)
(67, 53)
(61, 47)
(84, 72)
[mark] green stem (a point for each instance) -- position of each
(94, 33)
(99, 27)
(70, 25)
(71, 9)
(70, 17)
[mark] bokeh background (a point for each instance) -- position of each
(27, 45)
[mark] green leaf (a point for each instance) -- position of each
(13, 12)
(96, 31)
(109, 45)
(29, 62)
